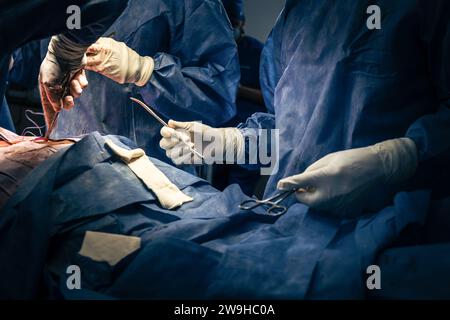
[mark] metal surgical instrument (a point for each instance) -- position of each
(153, 113)
(275, 209)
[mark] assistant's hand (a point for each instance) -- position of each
(346, 182)
(118, 62)
(217, 145)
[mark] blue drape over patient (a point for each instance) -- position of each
(206, 249)
(195, 78)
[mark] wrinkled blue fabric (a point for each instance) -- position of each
(195, 77)
(332, 84)
(208, 248)
(22, 22)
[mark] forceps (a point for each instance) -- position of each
(153, 113)
(275, 209)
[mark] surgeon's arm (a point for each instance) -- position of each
(347, 183)
(199, 80)
(188, 70)
(431, 133)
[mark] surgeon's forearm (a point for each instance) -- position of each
(183, 93)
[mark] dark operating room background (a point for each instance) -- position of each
(261, 16)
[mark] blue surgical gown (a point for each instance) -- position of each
(27, 61)
(38, 21)
(330, 83)
(195, 77)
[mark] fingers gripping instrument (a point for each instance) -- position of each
(65, 85)
(158, 118)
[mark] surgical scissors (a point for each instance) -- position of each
(275, 209)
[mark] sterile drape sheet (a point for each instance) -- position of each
(208, 248)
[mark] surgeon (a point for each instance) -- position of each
(22, 22)
(179, 57)
(362, 107)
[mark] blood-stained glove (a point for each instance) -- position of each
(61, 78)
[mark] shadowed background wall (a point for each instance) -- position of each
(261, 16)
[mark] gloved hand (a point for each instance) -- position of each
(217, 145)
(346, 182)
(118, 62)
(64, 59)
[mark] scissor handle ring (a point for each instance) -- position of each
(276, 210)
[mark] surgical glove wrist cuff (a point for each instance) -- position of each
(399, 158)
(68, 54)
(146, 70)
(132, 67)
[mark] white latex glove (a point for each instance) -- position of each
(64, 59)
(217, 145)
(346, 182)
(118, 62)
